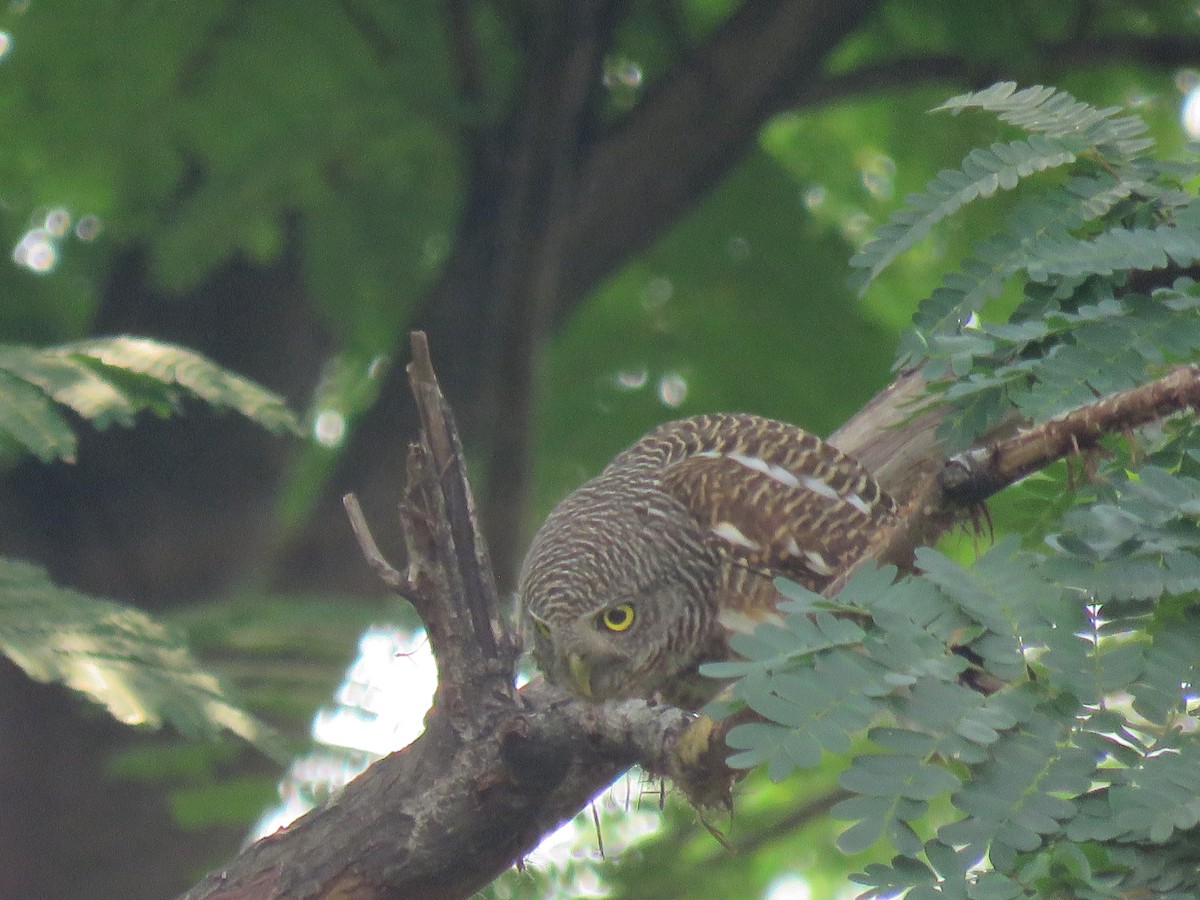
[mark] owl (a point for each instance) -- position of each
(641, 574)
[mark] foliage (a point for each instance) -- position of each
(107, 381)
(1031, 716)
(334, 138)
(137, 668)
(204, 147)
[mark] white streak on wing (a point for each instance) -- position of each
(792, 548)
(744, 623)
(817, 563)
(817, 486)
(709, 454)
(771, 470)
(730, 532)
(858, 503)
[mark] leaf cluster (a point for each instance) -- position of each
(1077, 240)
(107, 381)
(138, 669)
(1048, 703)
(1032, 715)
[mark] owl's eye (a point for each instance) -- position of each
(617, 618)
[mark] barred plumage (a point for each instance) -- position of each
(638, 576)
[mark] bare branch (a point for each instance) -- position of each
(974, 476)
(390, 576)
(445, 497)
(495, 770)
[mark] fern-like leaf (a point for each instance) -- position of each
(995, 260)
(983, 172)
(108, 381)
(118, 656)
(1055, 113)
(1115, 250)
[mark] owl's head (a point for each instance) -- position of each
(609, 605)
(624, 644)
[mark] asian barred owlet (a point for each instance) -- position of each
(638, 577)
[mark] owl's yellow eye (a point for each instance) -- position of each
(617, 618)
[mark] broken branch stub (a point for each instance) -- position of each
(447, 560)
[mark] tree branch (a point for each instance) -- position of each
(496, 769)
(627, 187)
(387, 573)
(975, 475)
(692, 125)
(939, 497)
(631, 195)
(537, 179)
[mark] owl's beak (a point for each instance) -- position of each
(581, 674)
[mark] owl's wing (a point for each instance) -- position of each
(800, 509)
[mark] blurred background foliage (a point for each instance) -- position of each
(605, 214)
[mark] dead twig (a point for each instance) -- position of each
(387, 573)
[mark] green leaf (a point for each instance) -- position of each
(108, 381)
(897, 775)
(1117, 249)
(138, 669)
(1055, 113)
(193, 374)
(29, 421)
(983, 172)
(1012, 801)
(997, 258)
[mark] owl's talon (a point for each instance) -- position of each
(700, 770)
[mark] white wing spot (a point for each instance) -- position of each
(817, 563)
(771, 470)
(817, 486)
(744, 623)
(792, 548)
(730, 532)
(858, 503)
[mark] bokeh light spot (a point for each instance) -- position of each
(815, 196)
(788, 887)
(87, 228)
(329, 428)
(620, 72)
(36, 251)
(58, 222)
(632, 379)
(1189, 113)
(672, 389)
(656, 293)
(738, 249)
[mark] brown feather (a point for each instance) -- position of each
(690, 526)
